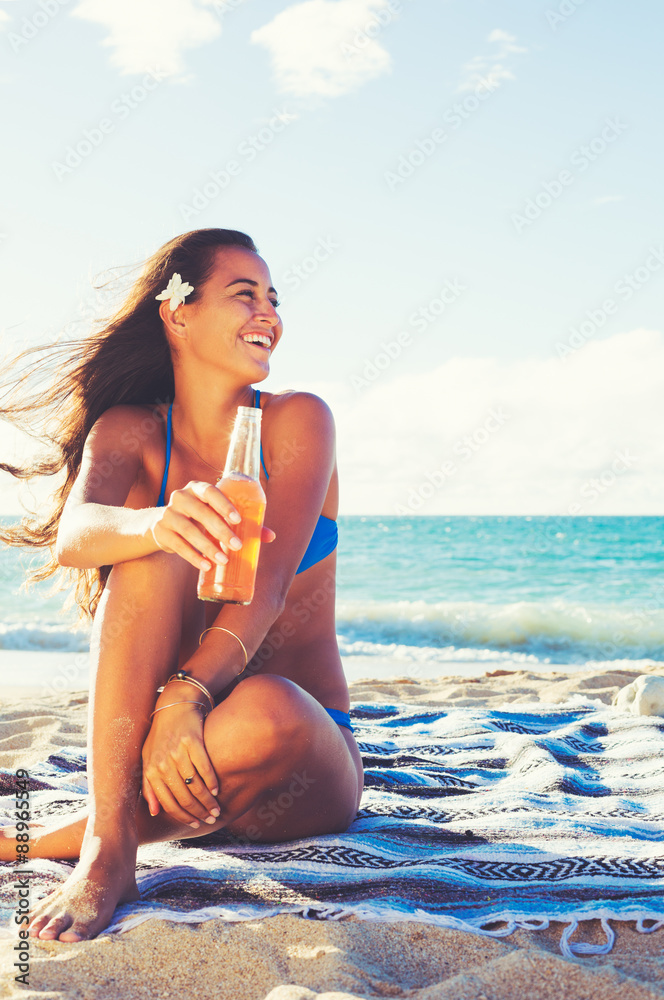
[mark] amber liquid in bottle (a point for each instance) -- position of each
(234, 581)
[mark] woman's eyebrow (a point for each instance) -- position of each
(249, 281)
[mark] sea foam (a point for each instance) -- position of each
(542, 629)
(417, 630)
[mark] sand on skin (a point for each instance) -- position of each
(289, 958)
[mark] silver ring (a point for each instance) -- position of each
(188, 781)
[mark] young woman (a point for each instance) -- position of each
(146, 409)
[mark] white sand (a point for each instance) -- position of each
(289, 958)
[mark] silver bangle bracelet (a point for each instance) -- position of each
(174, 703)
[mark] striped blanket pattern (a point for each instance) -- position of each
(479, 819)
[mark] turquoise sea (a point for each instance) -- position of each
(429, 592)
(541, 589)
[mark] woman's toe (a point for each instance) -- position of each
(36, 925)
(77, 932)
(54, 927)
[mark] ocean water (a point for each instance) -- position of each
(427, 593)
(537, 590)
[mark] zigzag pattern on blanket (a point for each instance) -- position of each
(565, 808)
(510, 871)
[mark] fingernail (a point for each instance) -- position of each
(215, 791)
(215, 811)
(205, 565)
(210, 819)
(194, 825)
(234, 517)
(235, 543)
(221, 558)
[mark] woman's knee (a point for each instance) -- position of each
(154, 576)
(153, 584)
(277, 699)
(274, 708)
(155, 564)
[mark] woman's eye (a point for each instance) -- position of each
(250, 293)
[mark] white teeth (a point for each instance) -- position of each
(257, 338)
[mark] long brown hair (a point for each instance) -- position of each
(55, 393)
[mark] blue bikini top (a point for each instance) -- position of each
(325, 536)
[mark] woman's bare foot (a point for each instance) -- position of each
(84, 904)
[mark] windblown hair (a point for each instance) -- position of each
(56, 392)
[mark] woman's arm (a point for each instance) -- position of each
(97, 530)
(301, 425)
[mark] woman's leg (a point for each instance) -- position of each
(286, 770)
(135, 644)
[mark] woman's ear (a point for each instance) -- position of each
(173, 320)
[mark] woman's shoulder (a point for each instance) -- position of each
(295, 404)
(131, 424)
(296, 419)
(126, 415)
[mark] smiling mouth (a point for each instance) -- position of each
(261, 341)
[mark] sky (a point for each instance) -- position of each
(459, 202)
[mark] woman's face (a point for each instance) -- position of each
(235, 321)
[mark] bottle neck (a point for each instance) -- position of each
(244, 452)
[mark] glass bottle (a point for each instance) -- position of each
(234, 581)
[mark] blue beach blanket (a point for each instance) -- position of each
(483, 820)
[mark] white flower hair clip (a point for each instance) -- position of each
(175, 290)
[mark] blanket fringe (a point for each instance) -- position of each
(641, 925)
(127, 917)
(570, 948)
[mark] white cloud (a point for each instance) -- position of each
(489, 70)
(151, 35)
(497, 35)
(566, 423)
(326, 47)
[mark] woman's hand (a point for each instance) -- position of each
(197, 524)
(175, 750)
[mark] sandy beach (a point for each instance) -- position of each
(290, 958)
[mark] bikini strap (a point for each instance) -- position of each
(169, 437)
(257, 404)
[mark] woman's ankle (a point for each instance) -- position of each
(119, 829)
